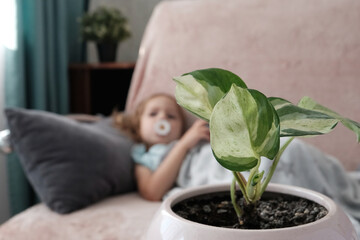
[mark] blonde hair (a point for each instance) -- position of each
(130, 123)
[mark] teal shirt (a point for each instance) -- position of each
(151, 158)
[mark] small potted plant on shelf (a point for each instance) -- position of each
(107, 27)
(244, 126)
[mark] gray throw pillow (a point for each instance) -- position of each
(70, 164)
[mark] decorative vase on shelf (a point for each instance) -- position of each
(107, 51)
(335, 225)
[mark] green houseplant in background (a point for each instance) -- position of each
(245, 125)
(107, 27)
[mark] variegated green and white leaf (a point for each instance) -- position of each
(267, 129)
(243, 127)
(191, 95)
(200, 90)
(308, 103)
(298, 121)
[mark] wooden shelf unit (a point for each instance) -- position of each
(100, 87)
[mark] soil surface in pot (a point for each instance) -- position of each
(274, 210)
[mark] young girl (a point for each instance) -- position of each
(159, 124)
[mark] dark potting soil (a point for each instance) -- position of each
(274, 210)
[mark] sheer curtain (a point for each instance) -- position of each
(7, 40)
(4, 206)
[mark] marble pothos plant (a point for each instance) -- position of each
(245, 125)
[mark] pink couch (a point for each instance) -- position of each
(284, 48)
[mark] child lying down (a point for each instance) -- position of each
(167, 156)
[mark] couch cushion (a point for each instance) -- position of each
(70, 164)
(124, 217)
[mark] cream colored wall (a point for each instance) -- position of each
(138, 12)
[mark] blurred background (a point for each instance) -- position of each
(33, 37)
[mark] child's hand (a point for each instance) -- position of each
(198, 131)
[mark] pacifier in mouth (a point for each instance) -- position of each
(162, 127)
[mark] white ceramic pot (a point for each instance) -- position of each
(334, 226)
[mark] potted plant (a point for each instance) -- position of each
(107, 27)
(245, 125)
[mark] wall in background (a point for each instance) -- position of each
(4, 202)
(138, 13)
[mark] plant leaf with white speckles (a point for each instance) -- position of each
(243, 126)
(298, 121)
(200, 90)
(308, 103)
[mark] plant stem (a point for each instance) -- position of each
(273, 166)
(238, 210)
(242, 185)
(250, 188)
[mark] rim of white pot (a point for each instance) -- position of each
(272, 187)
(168, 225)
